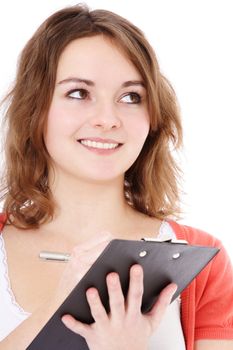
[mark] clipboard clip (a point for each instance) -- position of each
(159, 240)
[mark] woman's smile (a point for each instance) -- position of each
(100, 146)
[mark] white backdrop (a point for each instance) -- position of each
(193, 41)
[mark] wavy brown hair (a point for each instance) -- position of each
(151, 183)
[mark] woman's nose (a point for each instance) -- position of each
(105, 117)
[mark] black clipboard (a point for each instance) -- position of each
(162, 263)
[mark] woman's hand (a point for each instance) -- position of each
(82, 258)
(125, 327)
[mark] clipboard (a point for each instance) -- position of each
(163, 262)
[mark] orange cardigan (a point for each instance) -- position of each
(207, 303)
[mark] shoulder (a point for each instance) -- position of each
(12, 235)
(194, 235)
(219, 272)
(221, 261)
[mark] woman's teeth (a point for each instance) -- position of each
(99, 145)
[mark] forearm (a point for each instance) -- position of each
(214, 344)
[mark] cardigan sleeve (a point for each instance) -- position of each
(3, 219)
(214, 298)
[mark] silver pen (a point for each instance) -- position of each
(54, 256)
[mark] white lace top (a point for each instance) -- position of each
(168, 336)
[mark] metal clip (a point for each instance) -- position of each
(158, 240)
(166, 240)
(179, 241)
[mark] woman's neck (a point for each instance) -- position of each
(87, 208)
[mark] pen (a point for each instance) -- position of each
(54, 256)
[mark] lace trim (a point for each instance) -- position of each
(7, 280)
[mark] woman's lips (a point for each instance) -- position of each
(100, 146)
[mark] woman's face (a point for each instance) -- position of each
(98, 119)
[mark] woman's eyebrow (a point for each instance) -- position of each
(91, 83)
(133, 83)
(76, 80)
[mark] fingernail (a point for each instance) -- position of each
(137, 270)
(92, 293)
(114, 280)
(64, 320)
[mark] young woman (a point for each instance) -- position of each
(91, 124)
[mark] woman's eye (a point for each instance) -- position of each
(132, 98)
(79, 94)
